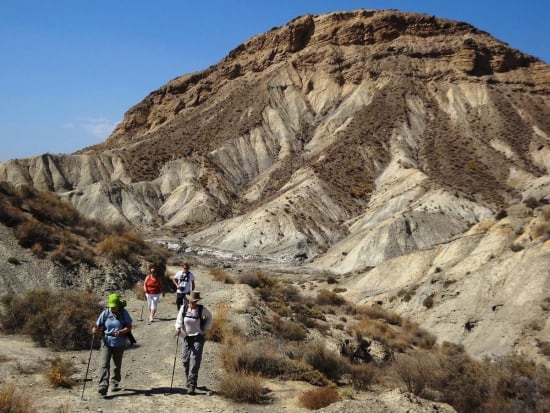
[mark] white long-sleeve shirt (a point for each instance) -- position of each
(190, 323)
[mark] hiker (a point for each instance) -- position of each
(185, 283)
(193, 320)
(153, 289)
(114, 324)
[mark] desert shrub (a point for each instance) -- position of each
(327, 362)
(268, 359)
(59, 373)
(14, 400)
(114, 247)
(59, 320)
(123, 245)
(284, 329)
(242, 387)
(257, 279)
(363, 375)
(508, 384)
(428, 301)
(138, 291)
(14, 260)
(219, 274)
(501, 214)
(516, 247)
(299, 370)
(10, 215)
(519, 384)
(220, 323)
(417, 370)
(326, 297)
(33, 232)
(406, 294)
(417, 336)
(48, 207)
(377, 312)
(531, 202)
(260, 356)
(319, 398)
(60, 253)
(465, 383)
(382, 332)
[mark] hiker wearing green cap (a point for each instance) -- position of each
(114, 324)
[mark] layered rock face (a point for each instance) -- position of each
(377, 144)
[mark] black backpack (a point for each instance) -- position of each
(200, 307)
(129, 336)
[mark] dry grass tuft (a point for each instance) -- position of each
(220, 323)
(59, 373)
(219, 274)
(242, 387)
(319, 398)
(321, 359)
(13, 400)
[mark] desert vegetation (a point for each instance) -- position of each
(411, 357)
(52, 228)
(58, 320)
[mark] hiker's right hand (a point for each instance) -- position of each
(178, 331)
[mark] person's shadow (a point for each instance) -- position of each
(167, 391)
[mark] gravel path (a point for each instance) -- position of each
(147, 367)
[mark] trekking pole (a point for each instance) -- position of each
(141, 315)
(175, 357)
(88, 366)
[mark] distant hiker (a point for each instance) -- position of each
(185, 283)
(153, 289)
(193, 320)
(114, 324)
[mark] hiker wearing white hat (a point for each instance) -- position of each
(193, 320)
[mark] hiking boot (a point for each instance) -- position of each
(191, 391)
(115, 386)
(102, 391)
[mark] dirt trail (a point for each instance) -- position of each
(147, 367)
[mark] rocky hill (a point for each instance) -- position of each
(406, 154)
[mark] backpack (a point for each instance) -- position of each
(129, 336)
(200, 307)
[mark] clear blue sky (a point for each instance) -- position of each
(70, 69)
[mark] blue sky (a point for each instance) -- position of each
(70, 69)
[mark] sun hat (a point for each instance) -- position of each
(114, 301)
(194, 296)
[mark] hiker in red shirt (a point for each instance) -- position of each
(153, 289)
